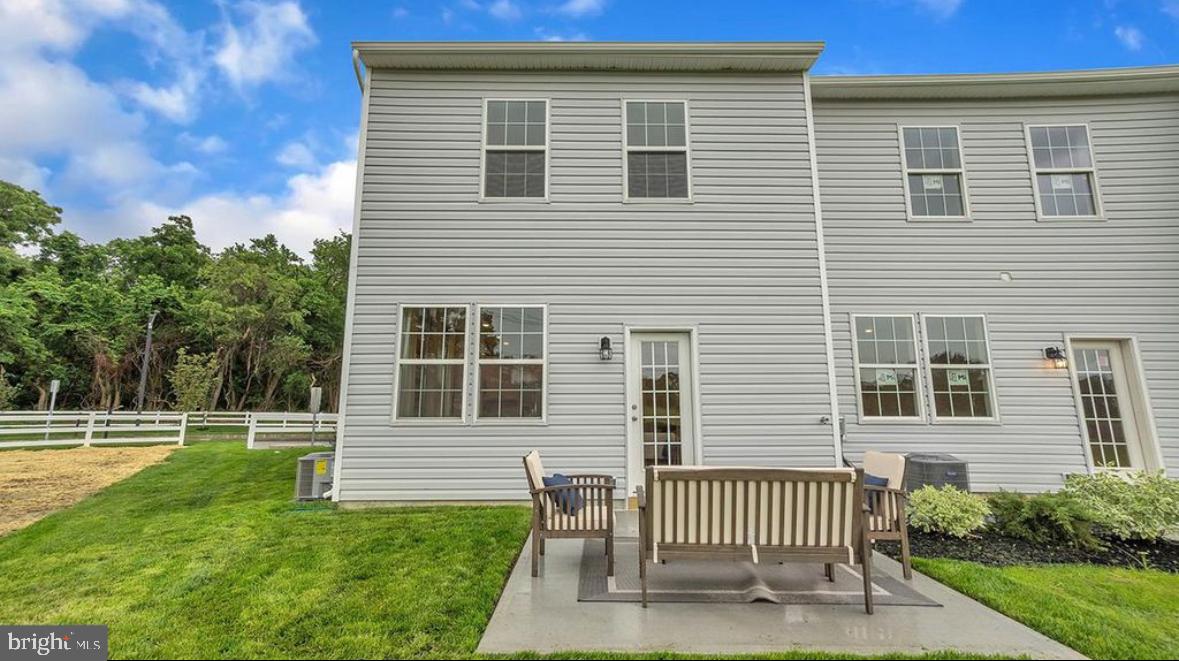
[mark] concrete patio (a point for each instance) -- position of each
(544, 615)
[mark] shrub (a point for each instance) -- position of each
(948, 511)
(1135, 506)
(1047, 518)
(193, 378)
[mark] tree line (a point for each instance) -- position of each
(252, 327)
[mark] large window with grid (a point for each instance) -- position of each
(1062, 166)
(431, 374)
(934, 181)
(511, 362)
(515, 149)
(656, 146)
(959, 359)
(886, 367)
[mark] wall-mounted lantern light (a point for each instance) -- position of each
(1056, 356)
(605, 352)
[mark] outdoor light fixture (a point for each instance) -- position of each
(605, 352)
(1056, 356)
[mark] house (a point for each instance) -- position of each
(623, 254)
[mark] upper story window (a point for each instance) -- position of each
(960, 367)
(511, 362)
(432, 371)
(934, 181)
(515, 149)
(656, 146)
(886, 366)
(1062, 166)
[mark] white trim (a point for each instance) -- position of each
(824, 293)
(1098, 206)
(398, 361)
(627, 149)
(484, 147)
(350, 301)
(544, 362)
(635, 459)
(960, 171)
(918, 377)
(995, 417)
(1148, 436)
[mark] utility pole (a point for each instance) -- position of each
(143, 368)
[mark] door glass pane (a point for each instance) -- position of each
(1104, 426)
(660, 401)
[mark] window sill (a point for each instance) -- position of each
(891, 421)
(941, 219)
(514, 200)
(428, 422)
(984, 422)
(509, 422)
(1071, 219)
(658, 200)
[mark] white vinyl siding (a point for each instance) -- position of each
(1087, 279)
(739, 264)
(1064, 172)
(934, 174)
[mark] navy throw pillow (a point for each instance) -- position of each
(873, 481)
(568, 502)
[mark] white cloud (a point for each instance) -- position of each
(544, 34)
(1130, 36)
(400, 12)
(262, 49)
(940, 8)
(505, 10)
(1171, 8)
(296, 155)
(24, 173)
(176, 102)
(581, 7)
(210, 145)
(314, 205)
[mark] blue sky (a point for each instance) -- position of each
(243, 113)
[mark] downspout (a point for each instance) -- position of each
(835, 421)
(356, 68)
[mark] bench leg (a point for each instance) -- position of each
(610, 555)
(866, 565)
(542, 545)
(829, 572)
(905, 562)
(536, 542)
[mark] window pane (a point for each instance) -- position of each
(430, 391)
(659, 175)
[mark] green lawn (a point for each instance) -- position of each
(206, 556)
(1102, 612)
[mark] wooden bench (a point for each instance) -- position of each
(755, 514)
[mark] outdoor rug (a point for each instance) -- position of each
(731, 582)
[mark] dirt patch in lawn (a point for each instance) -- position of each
(38, 483)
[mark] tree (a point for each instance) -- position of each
(192, 379)
(24, 217)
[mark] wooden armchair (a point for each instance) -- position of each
(593, 519)
(886, 504)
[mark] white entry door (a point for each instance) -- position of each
(1108, 409)
(660, 419)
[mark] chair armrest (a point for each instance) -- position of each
(641, 497)
(575, 487)
(899, 492)
(591, 478)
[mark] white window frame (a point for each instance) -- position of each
(627, 148)
(918, 376)
(1098, 206)
(484, 147)
(960, 171)
(479, 361)
(934, 418)
(399, 361)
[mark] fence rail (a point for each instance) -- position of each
(29, 429)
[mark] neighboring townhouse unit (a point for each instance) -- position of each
(634, 254)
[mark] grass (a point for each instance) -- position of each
(1102, 612)
(206, 556)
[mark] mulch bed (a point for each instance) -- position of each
(993, 549)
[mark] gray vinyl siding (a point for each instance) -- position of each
(740, 264)
(1118, 277)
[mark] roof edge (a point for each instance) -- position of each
(591, 55)
(1086, 82)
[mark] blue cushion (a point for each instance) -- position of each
(873, 481)
(568, 502)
